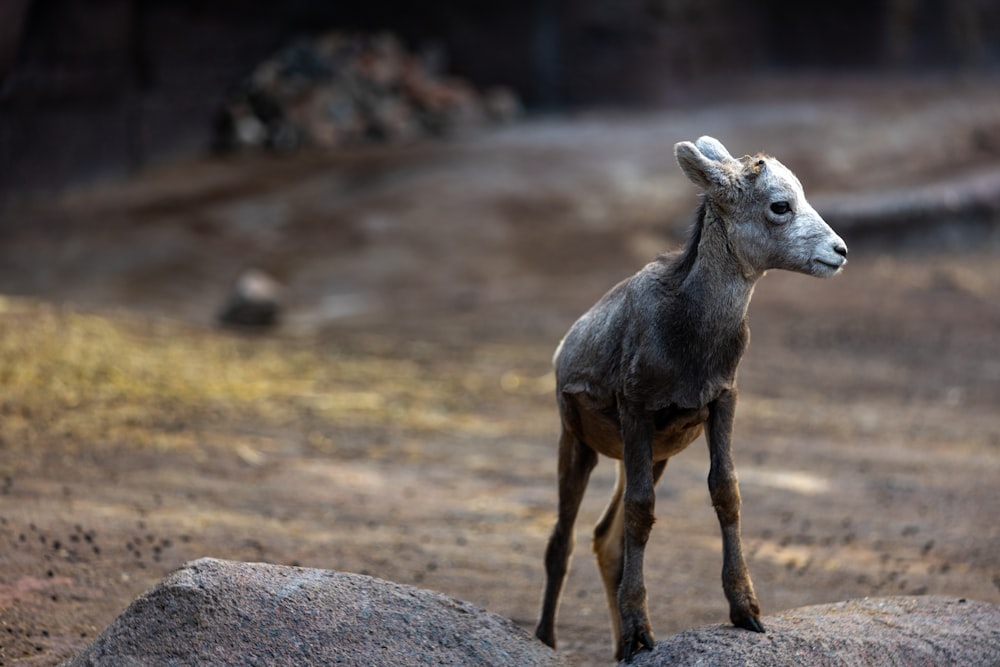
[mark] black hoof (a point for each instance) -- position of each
(644, 641)
(751, 623)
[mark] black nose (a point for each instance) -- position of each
(840, 249)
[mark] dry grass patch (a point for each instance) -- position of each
(92, 380)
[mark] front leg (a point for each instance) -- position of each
(744, 610)
(639, 503)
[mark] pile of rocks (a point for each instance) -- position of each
(341, 89)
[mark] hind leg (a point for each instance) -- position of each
(609, 545)
(609, 538)
(576, 462)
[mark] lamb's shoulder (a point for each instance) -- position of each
(587, 360)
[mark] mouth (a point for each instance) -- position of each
(826, 268)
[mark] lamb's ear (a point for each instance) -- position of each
(702, 170)
(712, 148)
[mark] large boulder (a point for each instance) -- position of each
(903, 631)
(214, 612)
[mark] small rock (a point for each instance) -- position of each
(255, 301)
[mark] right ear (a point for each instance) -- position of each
(705, 172)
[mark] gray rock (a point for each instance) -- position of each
(255, 301)
(904, 631)
(214, 612)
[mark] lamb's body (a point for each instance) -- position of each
(662, 340)
(653, 365)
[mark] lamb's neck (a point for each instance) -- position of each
(719, 283)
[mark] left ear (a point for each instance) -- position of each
(705, 171)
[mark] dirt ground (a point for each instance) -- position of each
(401, 423)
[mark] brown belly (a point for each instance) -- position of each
(674, 430)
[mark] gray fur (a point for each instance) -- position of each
(653, 364)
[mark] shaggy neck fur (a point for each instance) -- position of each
(714, 277)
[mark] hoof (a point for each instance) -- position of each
(644, 640)
(748, 622)
(546, 636)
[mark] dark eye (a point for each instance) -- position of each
(780, 207)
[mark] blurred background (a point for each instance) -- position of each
(299, 131)
(94, 88)
(397, 209)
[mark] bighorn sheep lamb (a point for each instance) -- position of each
(653, 364)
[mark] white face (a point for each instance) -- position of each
(789, 233)
(768, 220)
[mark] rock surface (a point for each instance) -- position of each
(911, 631)
(214, 612)
(231, 613)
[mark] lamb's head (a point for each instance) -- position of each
(768, 221)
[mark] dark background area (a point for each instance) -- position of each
(96, 88)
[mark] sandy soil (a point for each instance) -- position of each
(427, 287)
